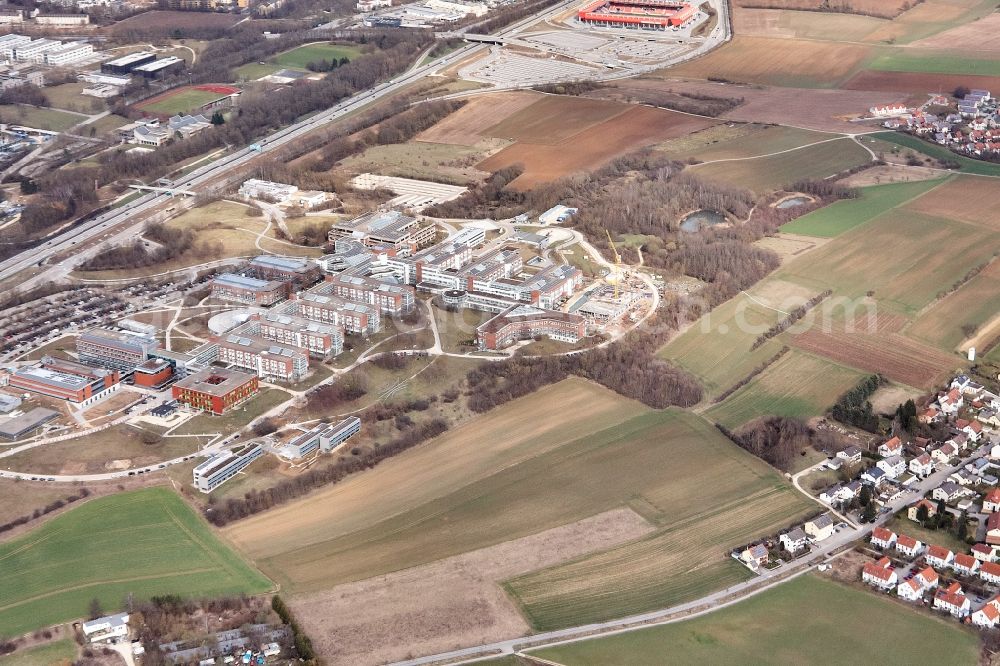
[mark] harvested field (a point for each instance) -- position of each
(453, 602)
(974, 304)
(804, 25)
(929, 254)
(692, 548)
(886, 8)
(468, 125)
(779, 62)
(789, 246)
(967, 198)
(931, 17)
(890, 173)
(984, 33)
(895, 356)
(554, 118)
(729, 141)
(917, 83)
(817, 109)
(934, 62)
(779, 171)
(438, 162)
(590, 148)
(297, 540)
(789, 388)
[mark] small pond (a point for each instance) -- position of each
(700, 219)
(793, 202)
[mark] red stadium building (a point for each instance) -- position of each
(645, 14)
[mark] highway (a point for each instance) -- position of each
(217, 170)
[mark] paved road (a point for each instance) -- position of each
(711, 602)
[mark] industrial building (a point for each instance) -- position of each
(637, 14)
(23, 425)
(523, 322)
(161, 68)
(120, 350)
(127, 63)
(66, 380)
(215, 390)
(223, 466)
(251, 291)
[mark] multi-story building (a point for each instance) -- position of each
(248, 290)
(66, 380)
(9, 44)
(154, 373)
(35, 50)
(523, 322)
(62, 20)
(321, 340)
(266, 359)
(386, 228)
(319, 304)
(68, 54)
(223, 466)
(161, 68)
(388, 298)
(300, 273)
(121, 350)
(215, 390)
(324, 437)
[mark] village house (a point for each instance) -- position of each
(879, 574)
(949, 491)
(893, 466)
(908, 546)
(991, 502)
(951, 402)
(993, 529)
(952, 601)
(883, 538)
(820, 527)
(794, 540)
(851, 455)
(990, 572)
(939, 557)
(988, 616)
(930, 415)
(922, 466)
(874, 476)
(959, 441)
(964, 564)
(890, 447)
(914, 509)
(914, 589)
(755, 556)
(943, 454)
(983, 552)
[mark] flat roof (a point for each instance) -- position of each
(53, 378)
(244, 282)
(215, 381)
(126, 60)
(17, 426)
(285, 263)
(157, 65)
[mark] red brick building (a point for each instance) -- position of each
(215, 390)
(154, 373)
(523, 322)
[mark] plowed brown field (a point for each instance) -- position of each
(969, 199)
(983, 35)
(467, 126)
(594, 146)
(918, 82)
(884, 8)
(554, 118)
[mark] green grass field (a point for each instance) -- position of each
(974, 303)
(145, 542)
(185, 101)
(806, 621)
(57, 653)
(300, 57)
(733, 141)
(255, 70)
(842, 216)
(933, 62)
(776, 172)
(52, 120)
(966, 165)
(790, 387)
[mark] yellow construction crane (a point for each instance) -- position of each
(618, 263)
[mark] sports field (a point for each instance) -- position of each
(842, 216)
(184, 100)
(144, 542)
(300, 57)
(810, 620)
(818, 162)
(797, 385)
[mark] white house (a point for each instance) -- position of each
(851, 454)
(832, 494)
(883, 538)
(106, 628)
(964, 564)
(984, 552)
(908, 546)
(952, 601)
(893, 466)
(988, 616)
(991, 502)
(939, 557)
(891, 447)
(819, 528)
(794, 540)
(990, 572)
(951, 402)
(948, 491)
(944, 453)
(911, 590)
(755, 556)
(874, 476)
(922, 465)
(880, 574)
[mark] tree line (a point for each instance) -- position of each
(789, 320)
(854, 407)
(47, 509)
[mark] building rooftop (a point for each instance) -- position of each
(17, 426)
(158, 64)
(244, 282)
(127, 60)
(215, 381)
